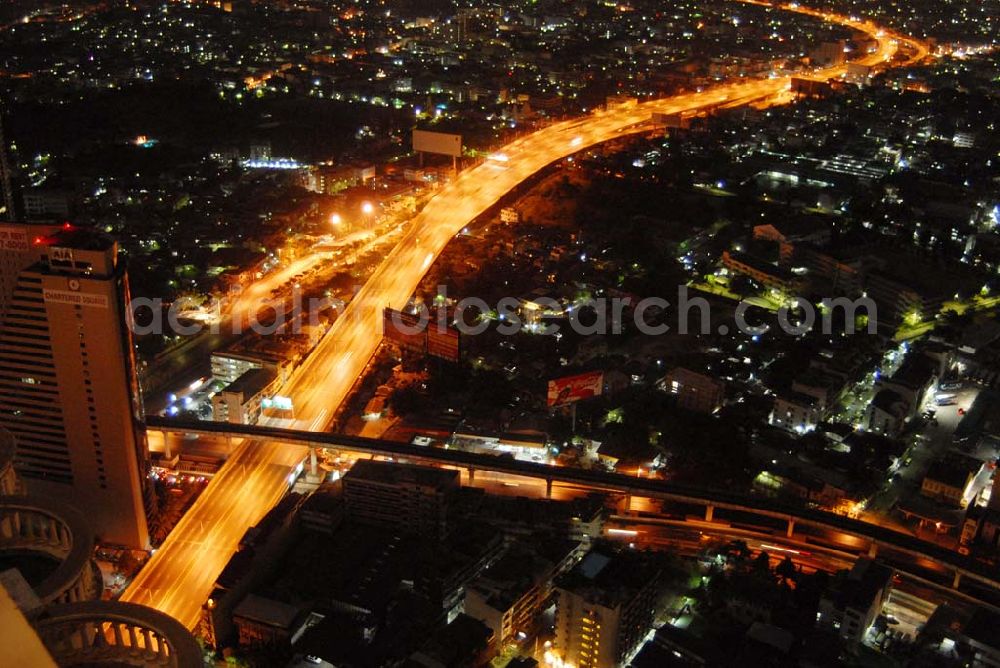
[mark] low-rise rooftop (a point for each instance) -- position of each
(395, 473)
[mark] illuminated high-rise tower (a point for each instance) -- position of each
(68, 386)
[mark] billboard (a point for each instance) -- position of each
(418, 334)
(562, 391)
(406, 330)
(671, 120)
(443, 343)
(810, 88)
(437, 142)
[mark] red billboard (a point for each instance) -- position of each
(566, 390)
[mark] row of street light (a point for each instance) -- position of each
(367, 208)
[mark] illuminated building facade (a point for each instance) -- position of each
(605, 608)
(68, 386)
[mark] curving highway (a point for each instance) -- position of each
(324, 380)
(180, 575)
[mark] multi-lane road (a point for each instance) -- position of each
(180, 575)
(178, 578)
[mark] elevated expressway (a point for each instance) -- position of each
(907, 553)
(179, 576)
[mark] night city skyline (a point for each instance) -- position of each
(560, 333)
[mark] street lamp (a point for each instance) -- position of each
(367, 208)
(335, 219)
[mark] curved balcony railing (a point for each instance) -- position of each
(35, 524)
(110, 632)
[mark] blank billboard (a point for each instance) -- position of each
(437, 142)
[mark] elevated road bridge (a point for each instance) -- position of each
(906, 551)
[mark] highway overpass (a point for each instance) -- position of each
(877, 538)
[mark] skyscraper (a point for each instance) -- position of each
(68, 387)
